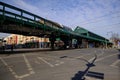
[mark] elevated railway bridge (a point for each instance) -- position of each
(18, 21)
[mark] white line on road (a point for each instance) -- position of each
(28, 64)
(9, 68)
(59, 63)
(46, 62)
(101, 58)
(97, 56)
(105, 57)
(14, 73)
(91, 59)
(115, 63)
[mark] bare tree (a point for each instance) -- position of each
(115, 38)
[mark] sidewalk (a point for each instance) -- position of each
(24, 50)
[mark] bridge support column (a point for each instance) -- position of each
(67, 42)
(52, 40)
(84, 43)
(79, 42)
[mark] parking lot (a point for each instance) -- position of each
(61, 65)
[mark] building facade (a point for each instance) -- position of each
(27, 41)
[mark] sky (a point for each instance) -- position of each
(98, 16)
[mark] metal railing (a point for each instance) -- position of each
(7, 10)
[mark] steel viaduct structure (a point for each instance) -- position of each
(18, 21)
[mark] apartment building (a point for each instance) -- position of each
(27, 41)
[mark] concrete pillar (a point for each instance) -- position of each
(52, 40)
(84, 43)
(79, 42)
(67, 41)
(87, 44)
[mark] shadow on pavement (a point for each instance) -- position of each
(119, 54)
(80, 75)
(63, 56)
(96, 75)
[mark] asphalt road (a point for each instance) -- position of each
(61, 65)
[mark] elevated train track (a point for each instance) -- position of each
(18, 21)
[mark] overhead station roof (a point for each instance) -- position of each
(49, 26)
(90, 35)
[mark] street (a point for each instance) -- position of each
(61, 65)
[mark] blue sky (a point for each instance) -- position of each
(98, 16)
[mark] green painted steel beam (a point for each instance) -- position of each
(22, 19)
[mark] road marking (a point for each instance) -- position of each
(22, 76)
(91, 59)
(28, 64)
(105, 57)
(115, 63)
(14, 73)
(59, 63)
(46, 61)
(101, 58)
(91, 78)
(9, 68)
(97, 56)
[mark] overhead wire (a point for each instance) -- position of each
(101, 16)
(98, 20)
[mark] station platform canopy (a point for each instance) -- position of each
(90, 35)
